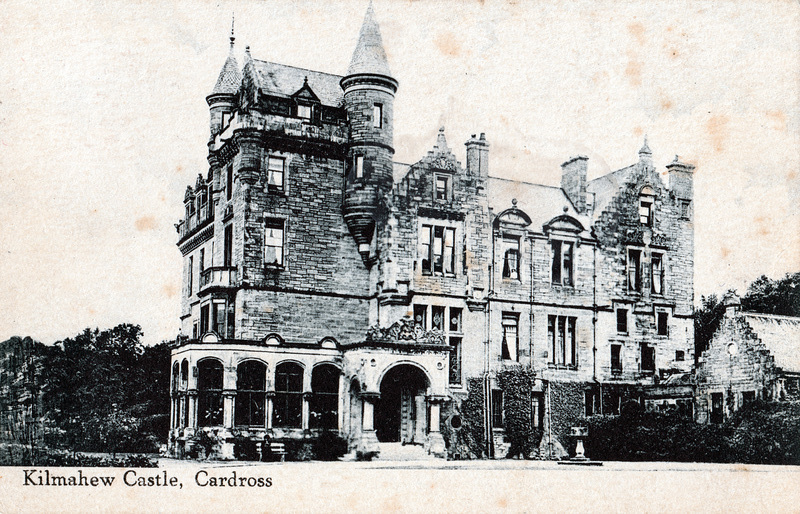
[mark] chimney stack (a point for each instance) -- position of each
(477, 156)
(573, 181)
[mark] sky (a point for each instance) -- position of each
(103, 124)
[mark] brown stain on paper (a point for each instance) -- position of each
(145, 223)
(169, 290)
(447, 44)
(637, 31)
(717, 129)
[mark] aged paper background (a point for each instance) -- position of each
(103, 124)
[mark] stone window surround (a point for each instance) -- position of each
(456, 226)
(563, 242)
(275, 222)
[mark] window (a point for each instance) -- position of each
(646, 201)
(175, 376)
(204, 312)
(634, 270)
(616, 358)
(442, 188)
(497, 408)
(218, 317)
(251, 386)
(377, 116)
(679, 355)
(454, 327)
(510, 349)
(209, 393)
(716, 408)
(226, 119)
(358, 165)
(648, 358)
(189, 278)
(421, 316)
(202, 261)
(562, 268)
(324, 408)
(437, 318)
(437, 249)
(511, 258)
(229, 181)
(304, 111)
(273, 242)
(622, 321)
(588, 402)
(662, 325)
(685, 206)
(227, 254)
(288, 407)
(275, 173)
(562, 340)
(657, 273)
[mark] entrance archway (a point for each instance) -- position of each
(401, 414)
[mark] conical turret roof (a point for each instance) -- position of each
(230, 78)
(369, 56)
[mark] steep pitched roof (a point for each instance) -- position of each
(781, 335)
(230, 78)
(604, 188)
(369, 55)
(540, 203)
(284, 81)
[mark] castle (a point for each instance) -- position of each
(327, 287)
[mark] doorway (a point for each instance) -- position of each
(401, 414)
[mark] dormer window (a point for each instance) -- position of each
(304, 111)
(377, 115)
(646, 206)
(511, 258)
(441, 190)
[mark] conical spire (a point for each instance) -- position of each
(369, 56)
(229, 78)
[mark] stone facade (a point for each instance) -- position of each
(750, 357)
(326, 287)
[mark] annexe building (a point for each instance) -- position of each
(327, 287)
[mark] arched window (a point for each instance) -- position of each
(251, 385)
(209, 393)
(184, 374)
(175, 376)
(324, 409)
(646, 206)
(287, 410)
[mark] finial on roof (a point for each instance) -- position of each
(645, 148)
(233, 37)
(514, 202)
(676, 158)
(441, 142)
(369, 57)
(305, 81)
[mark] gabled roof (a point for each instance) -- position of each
(604, 188)
(781, 335)
(540, 203)
(284, 81)
(369, 56)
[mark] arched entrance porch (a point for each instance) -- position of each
(401, 413)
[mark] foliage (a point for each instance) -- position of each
(706, 322)
(468, 441)
(106, 391)
(758, 434)
(245, 448)
(329, 446)
(298, 449)
(516, 384)
(15, 456)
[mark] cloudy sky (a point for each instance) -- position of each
(103, 123)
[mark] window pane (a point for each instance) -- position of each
(556, 268)
(359, 165)
(275, 170)
(455, 319)
(377, 115)
(449, 251)
(425, 247)
(622, 321)
(455, 360)
(567, 264)
(421, 316)
(438, 248)
(616, 361)
(441, 188)
(437, 317)
(657, 274)
(273, 242)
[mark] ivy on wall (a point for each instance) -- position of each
(517, 384)
(464, 433)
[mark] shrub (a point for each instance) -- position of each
(245, 448)
(329, 446)
(516, 384)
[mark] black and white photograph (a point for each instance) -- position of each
(402, 256)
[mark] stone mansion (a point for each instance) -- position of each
(327, 287)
